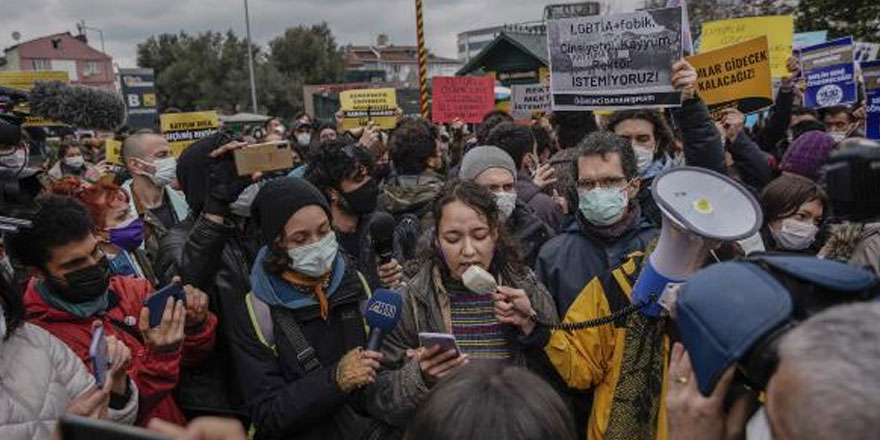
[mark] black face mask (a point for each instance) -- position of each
(85, 284)
(362, 201)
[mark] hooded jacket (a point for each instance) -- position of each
(283, 400)
(400, 387)
(154, 373)
(39, 378)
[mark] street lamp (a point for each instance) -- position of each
(247, 25)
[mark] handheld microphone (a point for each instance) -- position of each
(79, 106)
(382, 314)
(382, 236)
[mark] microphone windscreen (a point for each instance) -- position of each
(383, 309)
(382, 227)
(79, 106)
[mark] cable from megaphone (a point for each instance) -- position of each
(583, 325)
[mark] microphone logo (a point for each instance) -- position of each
(384, 309)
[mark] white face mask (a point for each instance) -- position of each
(303, 138)
(74, 162)
(280, 129)
(644, 156)
(795, 235)
(506, 203)
(166, 171)
(838, 136)
(14, 161)
(314, 259)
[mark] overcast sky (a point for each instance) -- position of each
(128, 22)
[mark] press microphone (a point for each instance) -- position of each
(79, 106)
(382, 314)
(382, 236)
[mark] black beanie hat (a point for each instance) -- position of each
(278, 200)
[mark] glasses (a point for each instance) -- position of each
(607, 182)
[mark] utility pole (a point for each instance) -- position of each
(247, 24)
(423, 60)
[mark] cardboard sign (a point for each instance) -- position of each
(359, 107)
(182, 129)
(735, 76)
(468, 98)
(779, 30)
(269, 156)
(113, 152)
(615, 61)
(830, 73)
(871, 76)
(528, 99)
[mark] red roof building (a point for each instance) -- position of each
(400, 63)
(84, 64)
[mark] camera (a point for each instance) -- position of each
(852, 177)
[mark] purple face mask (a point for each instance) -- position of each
(128, 237)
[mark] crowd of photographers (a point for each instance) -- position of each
(276, 268)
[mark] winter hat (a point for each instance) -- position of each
(281, 198)
(807, 154)
(479, 159)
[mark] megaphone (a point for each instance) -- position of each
(701, 209)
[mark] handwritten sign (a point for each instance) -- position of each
(468, 98)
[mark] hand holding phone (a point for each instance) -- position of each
(157, 302)
(98, 355)
(445, 341)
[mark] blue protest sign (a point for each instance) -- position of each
(871, 76)
(830, 73)
(139, 90)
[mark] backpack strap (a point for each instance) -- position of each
(306, 355)
(261, 319)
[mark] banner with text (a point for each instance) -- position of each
(615, 61)
(138, 87)
(359, 107)
(779, 30)
(735, 76)
(468, 98)
(830, 73)
(871, 76)
(182, 129)
(529, 99)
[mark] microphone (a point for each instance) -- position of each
(79, 106)
(382, 314)
(382, 236)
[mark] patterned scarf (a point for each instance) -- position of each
(315, 286)
(637, 395)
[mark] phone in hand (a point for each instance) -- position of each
(445, 341)
(157, 301)
(98, 356)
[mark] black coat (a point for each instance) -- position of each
(529, 232)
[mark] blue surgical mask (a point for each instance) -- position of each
(603, 206)
(314, 259)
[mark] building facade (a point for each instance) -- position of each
(390, 63)
(470, 43)
(84, 64)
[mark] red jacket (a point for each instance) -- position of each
(155, 373)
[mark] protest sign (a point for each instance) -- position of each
(871, 75)
(529, 98)
(139, 90)
(804, 39)
(468, 98)
(830, 73)
(865, 51)
(182, 129)
(779, 30)
(735, 76)
(25, 80)
(359, 107)
(113, 152)
(615, 61)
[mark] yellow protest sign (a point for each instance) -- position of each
(779, 30)
(735, 76)
(113, 150)
(361, 106)
(24, 80)
(182, 129)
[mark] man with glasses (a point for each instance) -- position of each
(72, 292)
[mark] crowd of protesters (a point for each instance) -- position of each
(276, 269)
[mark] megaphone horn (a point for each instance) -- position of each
(701, 209)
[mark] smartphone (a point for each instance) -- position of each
(98, 356)
(446, 341)
(269, 156)
(157, 301)
(82, 428)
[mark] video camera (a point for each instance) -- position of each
(852, 177)
(735, 313)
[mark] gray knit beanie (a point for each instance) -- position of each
(479, 159)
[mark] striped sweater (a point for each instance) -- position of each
(477, 331)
